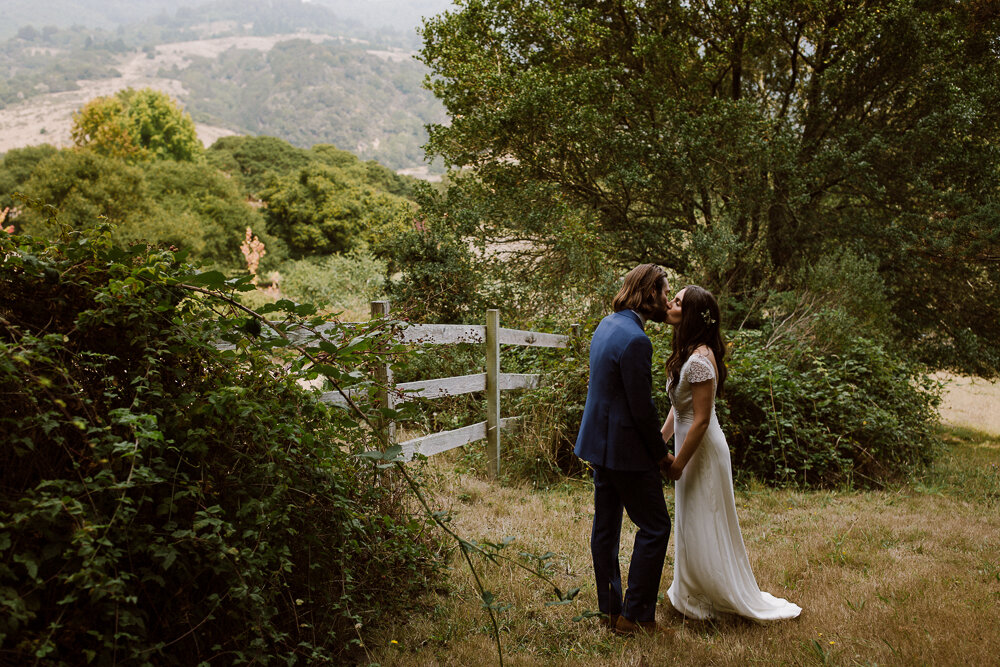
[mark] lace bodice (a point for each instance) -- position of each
(697, 368)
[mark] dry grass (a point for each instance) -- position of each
(907, 576)
(970, 402)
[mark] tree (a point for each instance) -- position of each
(740, 142)
(137, 125)
(320, 209)
(190, 205)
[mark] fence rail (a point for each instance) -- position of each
(492, 382)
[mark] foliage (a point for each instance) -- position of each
(541, 449)
(558, 269)
(255, 161)
(740, 143)
(795, 412)
(372, 106)
(16, 167)
(320, 209)
(440, 281)
(163, 502)
(185, 204)
(51, 63)
(339, 281)
(863, 416)
(136, 125)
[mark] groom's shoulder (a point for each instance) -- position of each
(619, 329)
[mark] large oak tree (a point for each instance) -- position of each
(741, 142)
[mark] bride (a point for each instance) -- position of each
(711, 571)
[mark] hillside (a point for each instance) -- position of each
(16, 14)
(238, 69)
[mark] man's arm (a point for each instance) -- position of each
(637, 377)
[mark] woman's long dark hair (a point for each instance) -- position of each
(700, 325)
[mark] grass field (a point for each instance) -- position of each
(904, 576)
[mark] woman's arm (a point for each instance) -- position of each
(668, 426)
(701, 402)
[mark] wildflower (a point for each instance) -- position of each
(253, 250)
(393, 641)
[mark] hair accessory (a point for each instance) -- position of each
(707, 316)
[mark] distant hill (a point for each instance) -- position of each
(282, 68)
(403, 16)
(107, 14)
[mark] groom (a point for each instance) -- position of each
(620, 438)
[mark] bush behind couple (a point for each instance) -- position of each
(622, 439)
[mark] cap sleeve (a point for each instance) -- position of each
(699, 369)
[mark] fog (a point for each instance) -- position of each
(398, 15)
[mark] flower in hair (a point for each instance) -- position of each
(707, 316)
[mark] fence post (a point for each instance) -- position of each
(383, 378)
(493, 392)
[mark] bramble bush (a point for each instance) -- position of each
(164, 502)
(793, 415)
(863, 415)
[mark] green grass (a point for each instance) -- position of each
(909, 575)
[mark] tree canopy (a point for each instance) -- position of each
(135, 125)
(739, 143)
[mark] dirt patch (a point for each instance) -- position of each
(970, 402)
(47, 119)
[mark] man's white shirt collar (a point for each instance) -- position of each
(642, 320)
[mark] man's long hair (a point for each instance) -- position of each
(700, 325)
(640, 289)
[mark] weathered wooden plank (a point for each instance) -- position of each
(436, 443)
(510, 421)
(432, 334)
(533, 338)
(493, 392)
(519, 380)
(335, 397)
(439, 388)
(443, 334)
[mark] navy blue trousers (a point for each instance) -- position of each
(640, 493)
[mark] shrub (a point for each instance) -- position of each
(440, 281)
(342, 281)
(162, 502)
(863, 416)
(792, 415)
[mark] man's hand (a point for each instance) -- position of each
(665, 466)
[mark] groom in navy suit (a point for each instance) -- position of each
(620, 439)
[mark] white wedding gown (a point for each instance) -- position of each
(711, 571)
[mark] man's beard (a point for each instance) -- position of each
(658, 313)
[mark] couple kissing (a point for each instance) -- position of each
(625, 444)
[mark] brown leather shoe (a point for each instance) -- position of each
(609, 621)
(623, 626)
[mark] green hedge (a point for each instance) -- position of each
(162, 502)
(862, 416)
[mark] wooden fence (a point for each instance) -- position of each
(493, 381)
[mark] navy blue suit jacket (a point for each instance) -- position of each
(620, 428)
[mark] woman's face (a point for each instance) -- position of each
(674, 309)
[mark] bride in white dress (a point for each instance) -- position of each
(712, 573)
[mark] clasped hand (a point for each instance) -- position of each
(668, 468)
